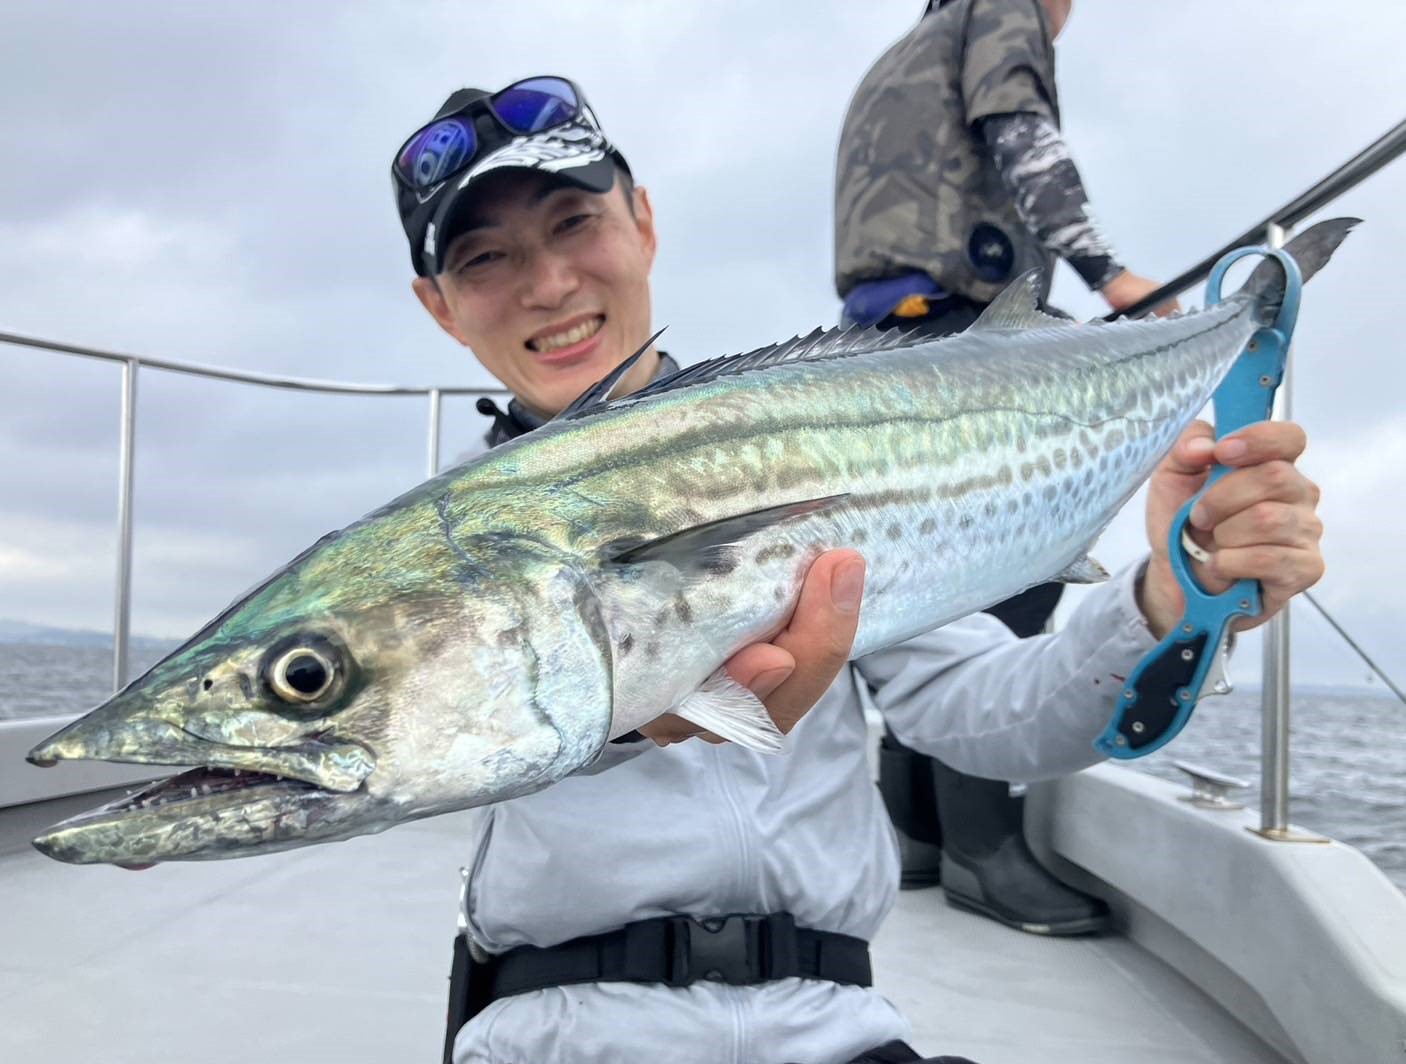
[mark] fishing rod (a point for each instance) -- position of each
(1347, 176)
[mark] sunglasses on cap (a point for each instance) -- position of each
(447, 146)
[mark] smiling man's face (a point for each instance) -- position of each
(548, 285)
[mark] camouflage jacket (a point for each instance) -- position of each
(915, 186)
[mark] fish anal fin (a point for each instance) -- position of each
(1016, 307)
(730, 711)
(1083, 571)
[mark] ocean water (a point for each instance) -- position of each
(39, 680)
(1346, 774)
(1347, 746)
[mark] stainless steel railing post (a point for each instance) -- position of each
(435, 404)
(122, 609)
(1275, 695)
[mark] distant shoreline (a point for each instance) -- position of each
(22, 633)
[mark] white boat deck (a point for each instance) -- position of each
(340, 954)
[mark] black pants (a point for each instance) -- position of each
(1026, 614)
(901, 1053)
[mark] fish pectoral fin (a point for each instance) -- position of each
(694, 548)
(1016, 307)
(1084, 571)
(730, 711)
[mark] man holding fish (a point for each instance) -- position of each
(681, 562)
(698, 901)
(678, 562)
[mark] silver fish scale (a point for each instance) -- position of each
(973, 466)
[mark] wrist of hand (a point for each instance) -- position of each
(1159, 596)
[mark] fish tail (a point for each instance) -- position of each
(1310, 249)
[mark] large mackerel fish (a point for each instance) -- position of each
(484, 635)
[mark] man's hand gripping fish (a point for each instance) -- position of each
(486, 633)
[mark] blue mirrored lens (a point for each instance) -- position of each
(437, 151)
(536, 104)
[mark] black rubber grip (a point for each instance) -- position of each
(1157, 705)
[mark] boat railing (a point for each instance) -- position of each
(1273, 230)
(126, 446)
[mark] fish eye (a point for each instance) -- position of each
(301, 674)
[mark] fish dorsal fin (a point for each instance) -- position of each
(598, 394)
(694, 549)
(817, 345)
(1015, 307)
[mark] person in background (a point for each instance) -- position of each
(952, 180)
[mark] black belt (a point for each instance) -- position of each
(740, 949)
(678, 950)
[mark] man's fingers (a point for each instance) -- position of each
(820, 634)
(1264, 441)
(761, 668)
(790, 673)
(669, 728)
(827, 613)
(1273, 481)
(1192, 452)
(1270, 523)
(1282, 571)
(1283, 568)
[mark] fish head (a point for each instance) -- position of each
(340, 699)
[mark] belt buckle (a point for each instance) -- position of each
(723, 949)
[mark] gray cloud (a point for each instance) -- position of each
(209, 182)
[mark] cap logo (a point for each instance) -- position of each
(575, 144)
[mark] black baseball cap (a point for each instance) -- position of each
(576, 151)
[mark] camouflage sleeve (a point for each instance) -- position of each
(1004, 52)
(1034, 162)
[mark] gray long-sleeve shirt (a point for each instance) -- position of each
(709, 830)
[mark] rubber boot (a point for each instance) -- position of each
(988, 868)
(906, 783)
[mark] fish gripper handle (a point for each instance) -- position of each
(1159, 695)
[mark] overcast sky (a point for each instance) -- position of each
(209, 182)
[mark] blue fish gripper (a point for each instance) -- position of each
(1159, 696)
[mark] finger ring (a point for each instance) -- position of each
(1194, 549)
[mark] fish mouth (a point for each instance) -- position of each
(237, 800)
(201, 814)
(331, 764)
(201, 783)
